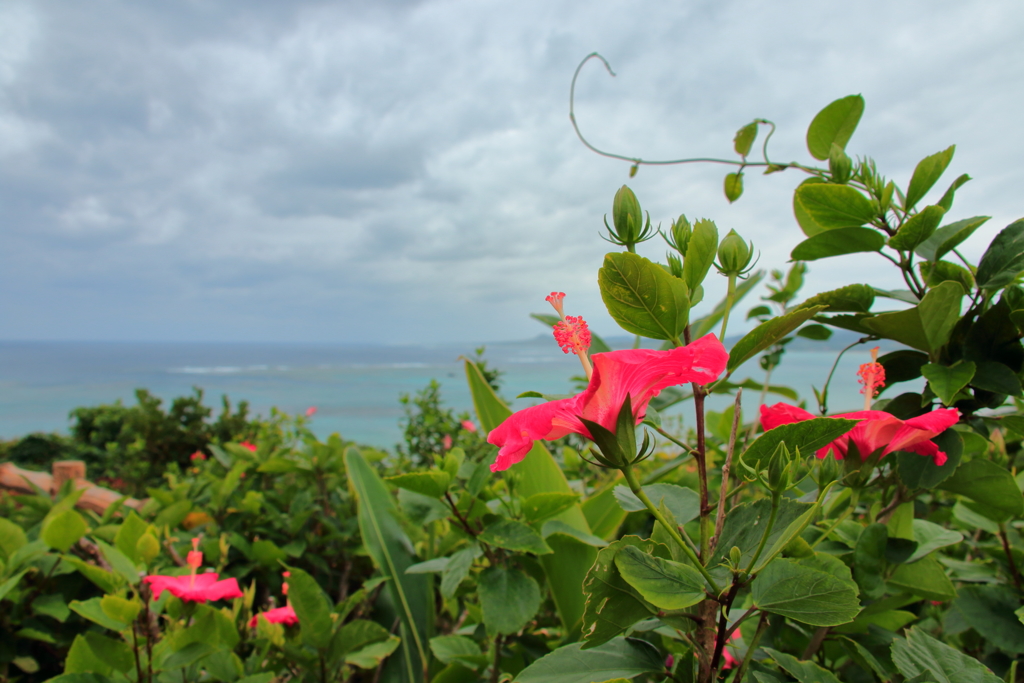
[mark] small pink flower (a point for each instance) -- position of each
(195, 587)
(281, 615)
(250, 446)
(311, 411)
(877, 430)
(468, 425)
(639, 373)
(198, 455)
(447, 442)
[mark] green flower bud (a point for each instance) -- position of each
(839, 164)
(778, 470)
(679, 236)
(828, 471)
(675, 265)
(735, 556)
(734, 255)
(627, 215)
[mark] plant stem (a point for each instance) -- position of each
(702, 472)
(638, 491)
(1009, 557)
(496, 673)
(762, 624)
(730, 298)
(727, 466)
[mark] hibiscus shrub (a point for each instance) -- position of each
(600, 541)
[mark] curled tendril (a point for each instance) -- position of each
(637, 161)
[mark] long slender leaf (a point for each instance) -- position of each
(391, 552)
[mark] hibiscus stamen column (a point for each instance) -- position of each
(194, 559)
(571, 333)
(872, 376)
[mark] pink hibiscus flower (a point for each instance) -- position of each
(280, 615)
(877, 430)
(195, 587)
(640, 374)
(250, 446)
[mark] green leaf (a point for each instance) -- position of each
(834, 125)
(805, 594)
(63, 531)
(430, 483)
(557, 526)
(509, 598)
(733, 186)
(917, 229)
(745, 525)
(313, 608)
(188, 655)
(52, 606)
(838, 242)
(1004, 258)
(390, 549)
(603, 515)
(930, 536)
(128, 535)
(805, 672)
(514, 535)
(611, 606)
(919, 653)
(120, 563)
(457, 568)
(173, 515)
(267, 553)
(370, 656)
(619, 658)
(946, 238)
(12, 537)
(807, 436)
(815, 332)
(767, 333)
(91, 610)
(947, 381)
(540, 506)
(81, 659)
(987, 483)
(834, 206)
(745, 137)
(449, 648)
(920, 472)
(997, 378)
(683, 503)
(120, 609)
(928, 170)
(663, 583)
(926, 326)
(642, 297)
(947, 198)
(924, 578)
(567, 567)
(700, 253)
(363, 643)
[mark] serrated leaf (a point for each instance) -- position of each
(920, 653)
(838, 242)
(611, 607)
(987, 483)
(834, 125)
(642, 297)
(767, 333)
(63, 530)
(928, 171)
(684, 503)
(540, 506)
(514, 535)
(805, 672)
(509, 599)
(663, 583)
(926, 326)
(313, 608)
(808, 436)
(924, 578)
(805, 594)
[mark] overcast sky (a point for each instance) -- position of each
(405, 171)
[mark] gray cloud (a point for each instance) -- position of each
(405, 171)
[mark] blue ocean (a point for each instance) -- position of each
(354, 388)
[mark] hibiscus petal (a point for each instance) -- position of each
(782, 414)
(515, 436)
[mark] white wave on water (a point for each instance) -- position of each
(222, 369)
